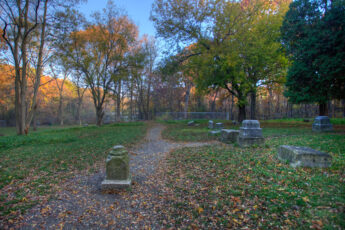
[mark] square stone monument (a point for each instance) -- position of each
(229, 135)
(250, 134)
(322, 124)
(117, 169)
(304, 156)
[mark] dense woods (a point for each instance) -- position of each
(251, 59)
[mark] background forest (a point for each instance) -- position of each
(250, 59)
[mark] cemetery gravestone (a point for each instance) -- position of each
(117, 169)
(210, 124)
(191, 123)
(229, 135)
(250, 134)
(219, 126)
(322, 124)
(304, 156)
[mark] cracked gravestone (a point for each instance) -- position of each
(322, 124)
(250, 134)
(304, 156)
(117, 169)
(229, 135)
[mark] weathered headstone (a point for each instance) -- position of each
(250, 134)
(304, 156)
(219, 126)
(210, 124)
(117, 169)
(215, 132)
(191, 123)
(229, 135)
(322, 124)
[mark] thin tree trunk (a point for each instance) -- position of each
(253, 105)
(187, 101)
(118, 102)
(323, 110)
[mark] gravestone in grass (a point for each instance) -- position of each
(219, 126)
(304, 156)
(210, 124)
(191, 123)
(117, 169)
(250, 134)
(229, 135)
(322, 124)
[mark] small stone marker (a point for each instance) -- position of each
(304, 156)
(117, 169)
(219, 126)
(322, 124)
(229, 135)
(250, 134)
(210, 124)
(215, 132)
(234, 122)
(191, 123)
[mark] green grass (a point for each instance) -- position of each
(230, 187)
(33, 165)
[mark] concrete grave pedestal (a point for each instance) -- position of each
(117, 169)
(304, 156)
(322, 124)
(250, 134)
(229, 135)
(210, 124)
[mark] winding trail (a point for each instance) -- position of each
(82, 204)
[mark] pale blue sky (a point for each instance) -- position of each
(138, 11)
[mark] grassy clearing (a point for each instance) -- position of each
(33, 166)
(229, 187)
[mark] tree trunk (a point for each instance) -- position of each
(60, 110)
(186, 102)
(99, 114)
(241, 113)
(118, 102)
(253, 105)
(34, 120)
(323, 110)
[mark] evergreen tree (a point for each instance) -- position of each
(313, 35)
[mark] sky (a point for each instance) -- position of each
(137, 10)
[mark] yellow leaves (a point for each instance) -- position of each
(247, 179)
(236, 221)
(305, 199)
(200, 210)
(287, 221)
(24, 199)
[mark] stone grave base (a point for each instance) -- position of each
(229, 135)
(322, 127)
(303, 156)
(115, 184)
(249, 141)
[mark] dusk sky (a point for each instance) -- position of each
(138, 11)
